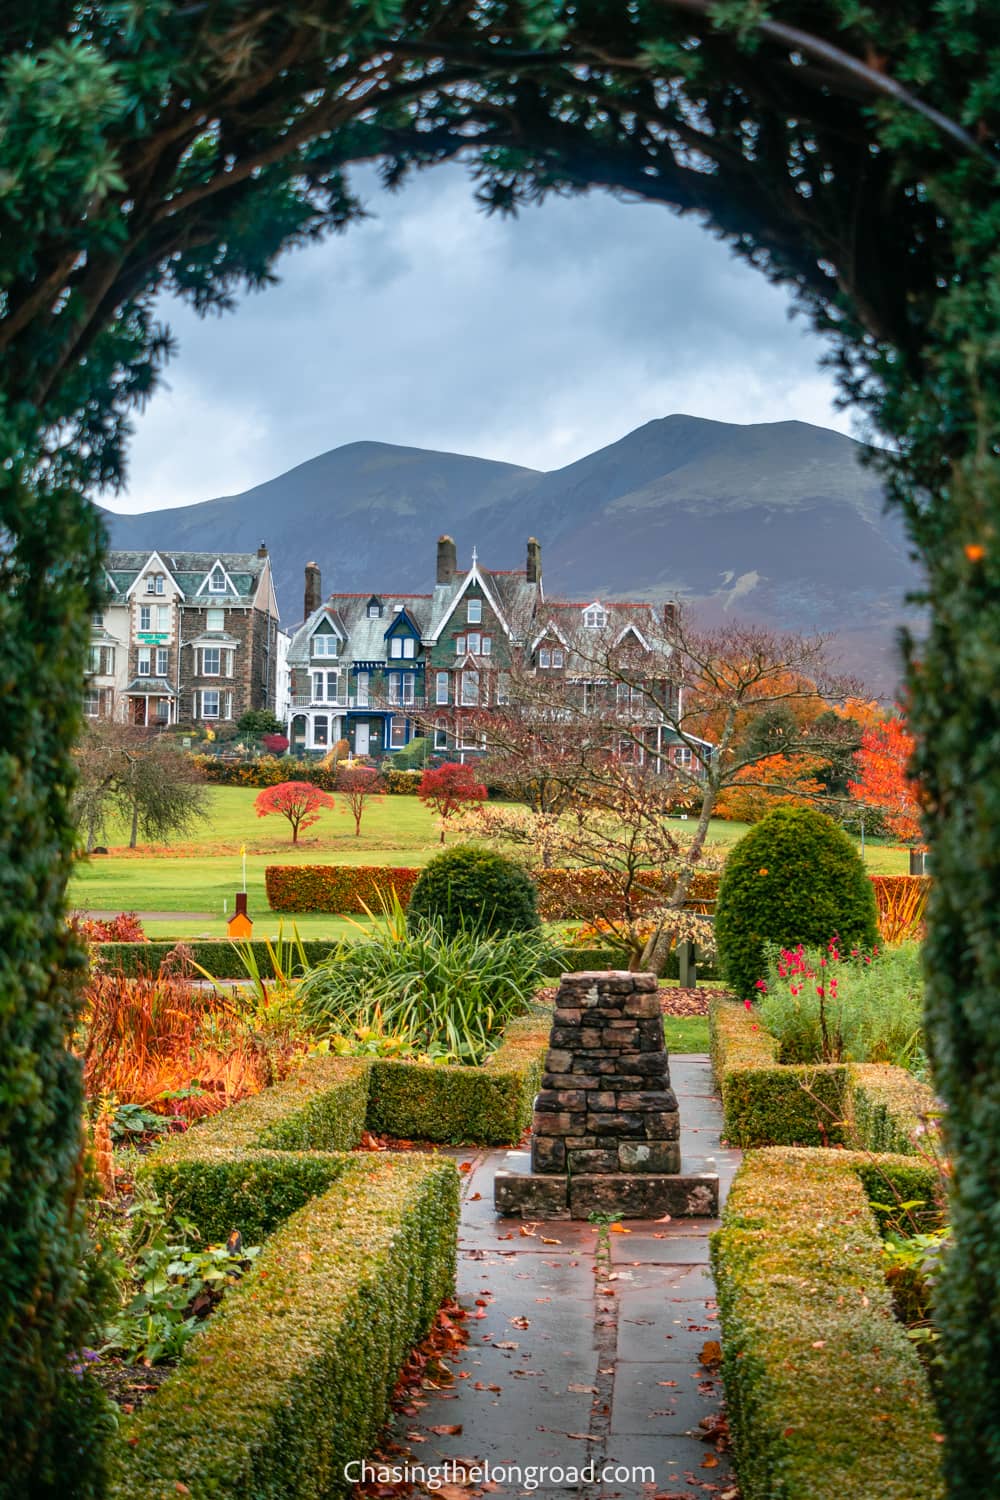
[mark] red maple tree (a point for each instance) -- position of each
(883, 781)
(298, 801)
(449, 788)
(358, 785)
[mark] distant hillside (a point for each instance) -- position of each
(776, 521)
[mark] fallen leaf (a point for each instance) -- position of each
(711, 1352)
(584, 1437)
(465, 1166)
(819, 1343)
(474, 1197)
(583, 1389)
(521, 1322)
(618, 1229)
(444, 1430)
(506, 1345)
(528, 1230)
(710, 1461)
(550, 1242)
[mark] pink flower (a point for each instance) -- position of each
(748, 1005)
(820, 991)
(760, 985)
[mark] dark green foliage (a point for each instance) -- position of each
(794, 878)
(474, 890)
(258, 721)
(216, 955)
(412, 757)
(825, 1395)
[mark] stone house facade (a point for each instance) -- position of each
(183, 638)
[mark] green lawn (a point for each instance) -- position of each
(686, 1033)
(200, 872)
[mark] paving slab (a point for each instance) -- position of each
(585, 1345)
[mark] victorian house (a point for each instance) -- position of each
(183, 637)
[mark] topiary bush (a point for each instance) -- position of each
(794, 878)
(474, 890)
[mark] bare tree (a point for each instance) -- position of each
(141, 778)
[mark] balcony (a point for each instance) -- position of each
(352, 702)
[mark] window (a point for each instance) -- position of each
(321, 730)
(557, 657)
(325, 645)
(162, 618)
(487, 645)
(92, 703)
(159, 583)
(545, 657)
(441, 687)
(210, 704)
(215, 619)
(403, 646)
(409, 684)
(474, 642)
(211, 661)
(409, 647)
(440, 734)
(470, 689)
(682, 755)
(101, 659)
(460, 645)
(145, 617)
(143, 663)
(397, 732)
(374, 608)
(97, 620)
(589, 695)
(150, 584)
(363, 680)
(595, 618)
(326, 687)
(217, 583)
(474, 613)
(502, 691)
(162, 661)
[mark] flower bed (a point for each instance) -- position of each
(825, 1395)
(768, 1103)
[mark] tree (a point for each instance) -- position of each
(849, 152)
(259, 722)
(449, 788)
(298, 801)
(884, 781)
(359, 785)
(151, 785)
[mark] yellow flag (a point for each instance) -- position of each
(243, 848)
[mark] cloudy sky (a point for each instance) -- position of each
(534, 341)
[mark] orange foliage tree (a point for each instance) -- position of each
(883, 780)
(298, 801)
(449, 788)
(777, 781)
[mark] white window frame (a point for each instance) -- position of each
(474, 612)
(397, 727)
(325, 645)
(145, 618)
(396, 648)
(321, 720)
(162, 661)
(595, 618)
(322, 683)
(206, 711)
(409, 648)
(487, 647)
(557, 656)
(475, 642)
(501, 691)
(92, 703)
(219, 623)
(150, 584)
(362, 689)
(460, 645)
(97, 620)
(544, 657)
(217, 581)
(162, 618)
(442, 685)
(683, 756)
(409, 682)
(374, 611)
(440, 734)
(160, 583)
(144, 661)
(468, 676)
(215, 653)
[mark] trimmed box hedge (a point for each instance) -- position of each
(336, 888)
(825, 1395)
(491, 1104)
(219, 956)
(291, 1379)
(768, 1103)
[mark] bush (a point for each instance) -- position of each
(218, 955)
(124, 928)
(825, 1395)
(468, 889)
(448, 997)
(401, 783)
(259, 721)
(794, 878)
(412, 756)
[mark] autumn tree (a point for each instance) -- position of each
(448, 788)
(358, 785)
(884, 780)
(298, 801)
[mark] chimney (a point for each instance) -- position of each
(262, 550)
(447, 562)
(670, 618)
(314, 589)
(533, 567)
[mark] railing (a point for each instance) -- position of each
(377, 701)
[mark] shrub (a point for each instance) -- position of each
(336, 888)
(825, 1395)
(474, 890)
(124, 928)
(259, 721)
(412, 756)
(401, 783)
(449, 997)
(794, 878)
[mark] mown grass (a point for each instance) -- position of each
(686, 1033)
(201, 871)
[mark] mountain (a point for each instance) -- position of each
(775, 521)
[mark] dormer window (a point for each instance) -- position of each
(595, 618)
(402, 646)
(155, 583)
(217, 581)
(474, 613)
(374, 607)
(325, 645)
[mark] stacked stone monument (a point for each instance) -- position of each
(606, 1129)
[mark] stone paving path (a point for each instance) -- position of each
(565, 1367)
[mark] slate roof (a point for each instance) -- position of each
(189, 570)
(348, 613)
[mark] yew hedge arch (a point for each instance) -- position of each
(848, 150)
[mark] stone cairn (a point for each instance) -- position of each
(606, 1131)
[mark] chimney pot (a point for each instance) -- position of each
(533, 566)
(447, 559)
(313, 597)
(670, 617)
(262, 550)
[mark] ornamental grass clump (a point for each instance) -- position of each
(794, 878)
(448, 998)
(831, 1005)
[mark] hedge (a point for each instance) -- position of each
(336, 888)
(825, 1395)
(290, 1380)
(767, 1103)
(217, 955)
(491, 1104)
(586, 895)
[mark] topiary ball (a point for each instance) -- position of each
(794, 878)
(474, 890)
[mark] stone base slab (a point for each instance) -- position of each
(647, 1195)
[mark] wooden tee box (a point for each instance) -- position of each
(605, 1127)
